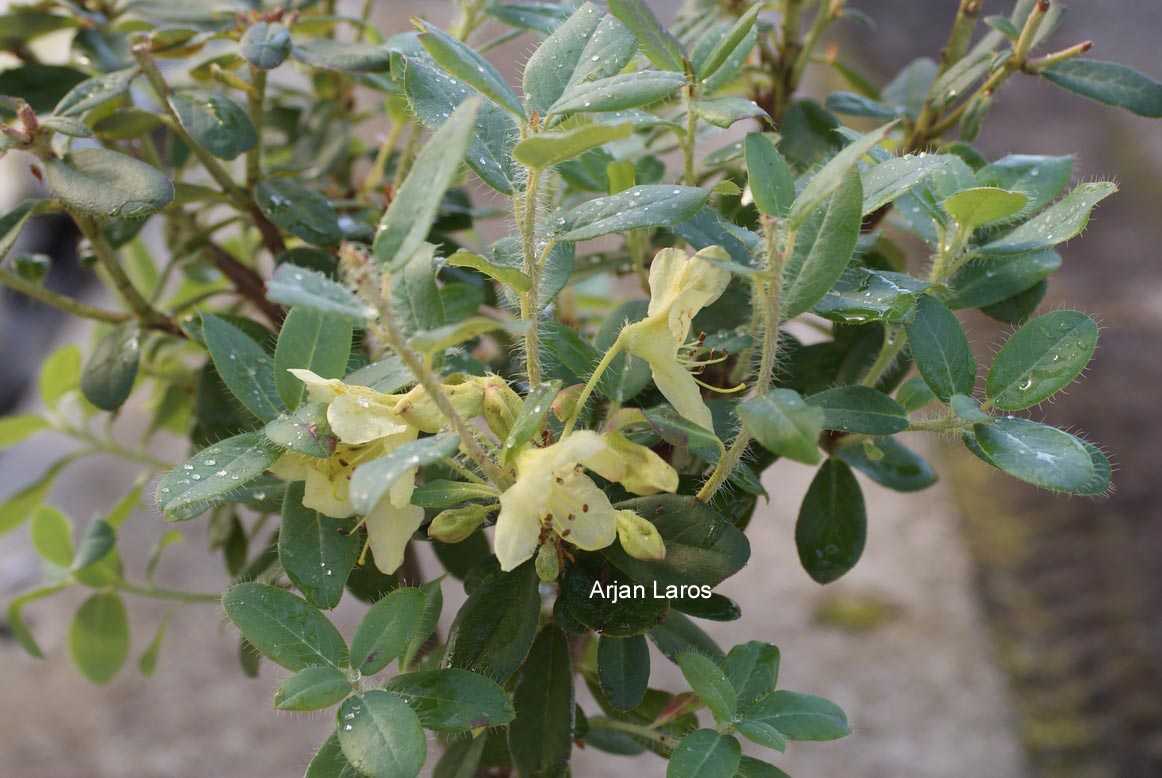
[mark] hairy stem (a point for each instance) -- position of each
(110, 263)
(591, 384)
(526, 209)
(767, 298)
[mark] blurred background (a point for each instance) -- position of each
(989, 630)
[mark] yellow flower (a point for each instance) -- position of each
(680, 286)
(552, 492)
(368, 426)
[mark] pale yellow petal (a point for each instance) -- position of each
(518, 526)
(400, 493)
(581, 513)
(319, 389)
(291, 466)
(358, 419)
(666, 270)
(644, 471)
(680, 388)
(388, 531)
(326, 492)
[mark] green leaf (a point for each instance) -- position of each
(1060, 222)
(316, 552)
(894, 466)
(434, 96)
(589, 45)
(984, 282)
(215, 122)
(344, 56)
(623, 669)
(147, 662)
(734, 38)
(677, 430)
(940, 350)
(750, 767)
(784, 424)
(540, 738)
(506, 275)
(302, 212)
(771, 182)
(371, 481)
(578, 604)
(531, 418)
(110, 372)
(711, 685)
(429, 620)
(285, 628)
(1041, 359)
(702, 548)
(99, 637)
(14, 617)
(293, 285)
(96, 543)
(495, 628)
(832, 176)
(860, 409)
(266, 45)
(1040, 178)
(329, 761)
(59, 374)
(679, 634)
(313, 688)
(914, 394)
(435, 341)
(976, 207)
(408, 219)
(446, 494)
(20, 427)
(305, 431)
(862, 295)
(216, 471)
(725, 111)
(705, 754)
(52, 536)
(452, 700)
(892, 178)
(617, 93)
(244, 366)
(656, 42)
(386, 630)
(18, 508)
(95, 92)
(1037, 454)
(800, 716)
(550, 148)
(312, 341)
(823, 249)
(104, 183)
(642, 206)
(753, 671)
(458, 59)
(461, 757)
(1109, 83)
(832, 525)
(381, 736)
(1102, 471)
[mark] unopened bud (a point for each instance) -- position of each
(419, 410)
(86, 254)
(456, 524)
(32, 267)
(639, 537)
(548, 564)
(501, 406)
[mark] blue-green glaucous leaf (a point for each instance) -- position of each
(1037, 454)
(655, 41)
(105, 183)
(457, 58)
(940, 349)
(1109, 83)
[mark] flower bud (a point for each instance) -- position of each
(501, 406)
(547, 564)
(86, 254)
(32, 267)
(456, 524)
(419, 410)
(639, 537)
